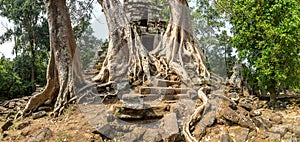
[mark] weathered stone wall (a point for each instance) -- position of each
(143, 9)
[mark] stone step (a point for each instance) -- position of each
(132, 101)
(176, 97)
(165, 83)
(163, 90)
(139, 98)
(151, 111)
(191, 94)
(132, 98)
(151, 97)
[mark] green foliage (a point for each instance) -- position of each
(10, 81)
(267, 37)
(41, 67)
(15, 75)
(26, 15)
(80, 14)
(31, 37)
(30, 34)
(210, 24)
(88, 45)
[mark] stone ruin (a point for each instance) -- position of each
(157, 112)
(150, 113)
(146, 17)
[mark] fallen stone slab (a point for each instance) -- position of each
(170, 127)
(152, 135)
(207, 120)
(183, 108)
(239, 134)
(277, 118)
(6, 125)
(45, 108)
(39, 114)
(43, 135)
(23, 125)
(225, 138)
(108, 131)
(163, 90)
(149, 112)
(281, 129)
(135, 135)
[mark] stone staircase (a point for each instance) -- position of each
(96, 64)
(161, 97)
(155, 104)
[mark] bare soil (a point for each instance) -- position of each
(69, 127)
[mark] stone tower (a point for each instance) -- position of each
(146, 17)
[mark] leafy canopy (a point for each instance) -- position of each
(267, 36)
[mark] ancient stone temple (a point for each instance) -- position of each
(135, 112)
(169, 109)
(145, 14)
(146, 17)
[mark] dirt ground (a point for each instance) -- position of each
(70, 127)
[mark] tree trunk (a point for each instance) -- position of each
(179, 48)
(33, 70)
(272, 90)
(127, 59)
(60, 73)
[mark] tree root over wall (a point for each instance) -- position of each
(126, 56)
(178, 54)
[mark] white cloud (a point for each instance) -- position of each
(7, 47)
(99, 22)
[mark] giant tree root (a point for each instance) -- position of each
(179, 51)
(192, 120)
(54, 92)
(127, 58)
(216, 109)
